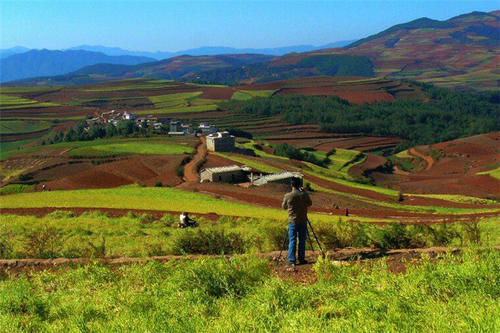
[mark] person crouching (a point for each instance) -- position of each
(186, 221)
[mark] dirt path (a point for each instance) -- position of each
(190, 169)
(396, 260)
(403, 217)
(428, 159)
(398, 171)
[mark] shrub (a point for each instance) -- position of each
(158, 184)
(25, 177)
(209, 241)
(44, 243)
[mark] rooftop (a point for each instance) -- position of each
(277, 176)
(224, 134)
(228, 168)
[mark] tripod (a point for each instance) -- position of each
(308, 236)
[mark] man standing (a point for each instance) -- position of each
(296, 202)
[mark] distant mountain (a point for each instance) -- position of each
(177, 68)
(4, 53)
(462, 52)
(36, 63)
(209, 50)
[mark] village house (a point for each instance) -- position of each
(220, 141)
(207, 129)
(225, 174)
(129, 116)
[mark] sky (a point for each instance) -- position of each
(178, 25)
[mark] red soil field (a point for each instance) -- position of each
(453, 168)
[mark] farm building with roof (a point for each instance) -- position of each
(220, 141)
(277, 178)
(226, 174)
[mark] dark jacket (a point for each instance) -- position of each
(296, 202)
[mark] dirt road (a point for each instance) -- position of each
(190, 169)
(397, 261)
(428, 159)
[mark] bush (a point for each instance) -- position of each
(208, 241)
(158, 184)
(44, 243)
(25, 177)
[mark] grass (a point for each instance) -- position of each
(63, 234)
(251, 163)
(495, 173)
(243, 95)
(410, 208)
(135, 85)
(8, 102)
(457, 198)
(173, 100)
(182, 109)
(242, 294)
(22, 126)
(20, 90)
(131, 148)
(167, 199)
(16, 188)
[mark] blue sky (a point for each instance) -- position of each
(178, 25)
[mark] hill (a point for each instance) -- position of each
(46, 62)
(460, 52)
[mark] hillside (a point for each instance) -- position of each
(460, 52)
(36, 63)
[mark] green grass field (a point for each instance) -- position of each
(131, 148)
(22, 126)
(243, 95)
(257, 165)
(135, 84)
(495, 173)
(182, 109)
(168, 199)
(449, 294)
(16, 188)
(8, 102)
(173, 100)
(20, 90)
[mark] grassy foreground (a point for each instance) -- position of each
(456, 293)
(93, 234)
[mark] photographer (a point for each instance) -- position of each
(296, 202)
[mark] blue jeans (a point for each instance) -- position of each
(293, 231)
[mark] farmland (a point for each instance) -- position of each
(20, 127)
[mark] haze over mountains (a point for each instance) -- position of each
(21, 63)
(459, 52)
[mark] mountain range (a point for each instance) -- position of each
(461, 52)
(21, 63)
(36, 63)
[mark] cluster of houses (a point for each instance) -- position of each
(174, 127)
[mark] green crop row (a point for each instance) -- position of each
(165, 199)
(131, 148)
(22, 126)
